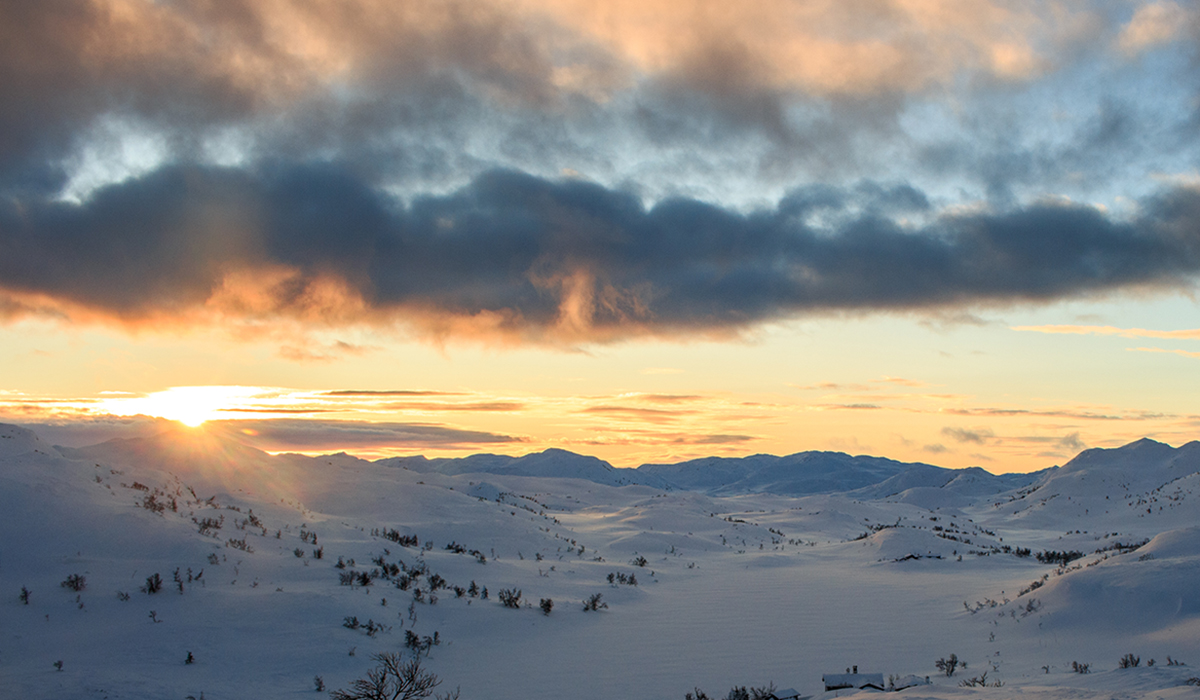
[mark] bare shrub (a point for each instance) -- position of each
(393, 679)
(948, 665)
(510, 597)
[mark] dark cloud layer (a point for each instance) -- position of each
(560, 260)
(571, 255)
(333, 107)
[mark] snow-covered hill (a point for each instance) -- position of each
(549, 463)
(277, 569)
(798, 474)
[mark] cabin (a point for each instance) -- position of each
(856, 680)
(788, 694)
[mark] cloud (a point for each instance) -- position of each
(1063, 445)
(315, 434)
(390, 164)
(717, 439)
(1073, 414)
(475, 407)
(326, 353)
(1152, 24)
(1183, 353)
(519, 257)
(1072, 442)
(900, 381)
(936, 448)
(651, 415)
(1188, 334)
(390, 392)
(978, 437)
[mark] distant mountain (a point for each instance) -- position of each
(939, 488)
(553, 463)
(798, 474)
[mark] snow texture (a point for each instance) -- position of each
(276, 569)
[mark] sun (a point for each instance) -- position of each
(190, 405)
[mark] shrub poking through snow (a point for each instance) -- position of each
(1059, 558)
(393, 679)
(1129, 661)
(948, 665)
(154, 584)
(594, 603)
(318, 684)
(24, 595)
(981, 681)
(1081, 668)
(510, 597)
(75, 582)
(766, 692)
(546, 605)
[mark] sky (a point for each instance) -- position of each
(962, 232)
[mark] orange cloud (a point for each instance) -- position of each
(822, 46)
(1184, 353)
(1188, 334)
(1151, 25)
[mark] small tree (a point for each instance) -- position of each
(393, 679)
(510, 597)
(75, 582)
(947, 666)
(154, 584)
(1129, 661)
(546, 605)
(593, 603)
(24, 595)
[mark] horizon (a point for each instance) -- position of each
(177, 429)
(962, 233)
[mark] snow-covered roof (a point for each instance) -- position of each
(910, 681)
(835, 681)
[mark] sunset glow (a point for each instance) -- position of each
(190, 405)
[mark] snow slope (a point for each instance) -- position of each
(742, 589)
